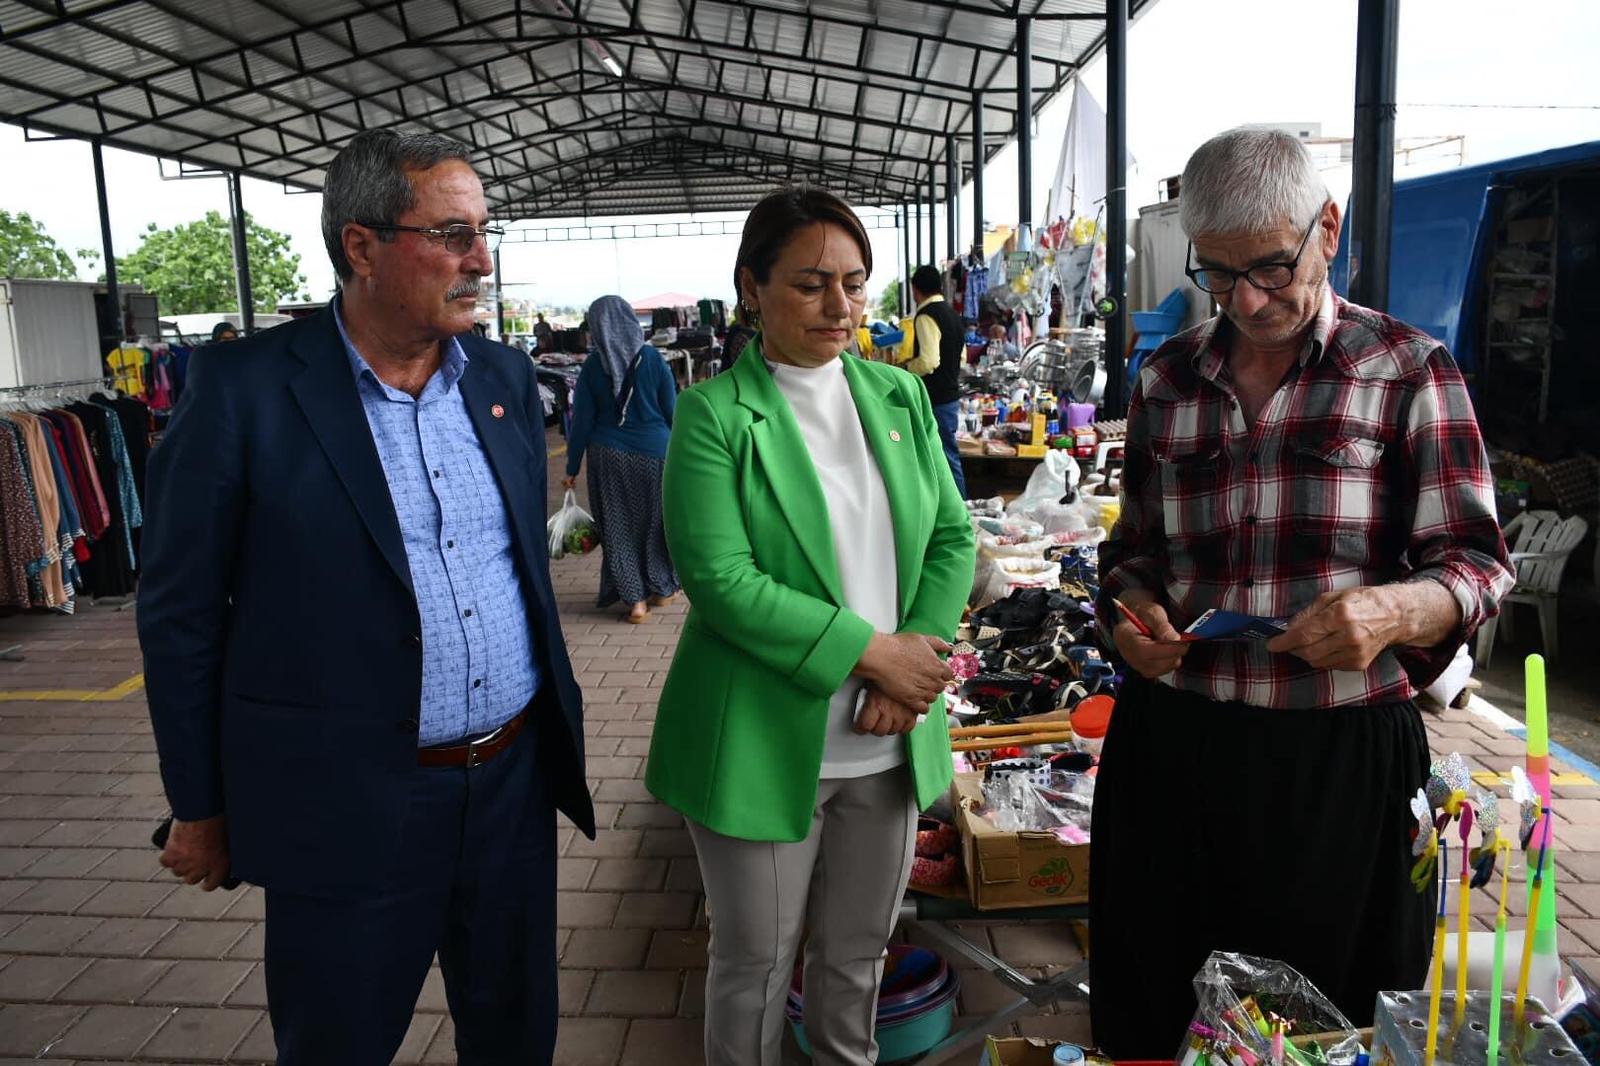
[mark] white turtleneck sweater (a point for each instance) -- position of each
(863, 543)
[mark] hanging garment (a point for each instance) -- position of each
(51, 577)
(21, 539)
(127, 366)
(85, 479)
(39, 548)
(75, 546)
(110, 569)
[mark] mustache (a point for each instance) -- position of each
(468, 287)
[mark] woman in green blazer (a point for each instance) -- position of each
(826, 555)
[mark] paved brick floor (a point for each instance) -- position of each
(103, 958)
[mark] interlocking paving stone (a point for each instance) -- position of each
(111, 1031)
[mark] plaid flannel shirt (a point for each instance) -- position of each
(1365, 468)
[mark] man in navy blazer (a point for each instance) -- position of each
(356, 674)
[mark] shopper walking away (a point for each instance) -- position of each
(940, 347)
(356, 674)
(621, 417)
(1296, 456)
(826, 554)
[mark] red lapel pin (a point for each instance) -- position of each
(894, 435)
(497, 411)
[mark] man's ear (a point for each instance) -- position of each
(360, 248)
(1328, 226)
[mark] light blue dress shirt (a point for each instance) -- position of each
(478, 668)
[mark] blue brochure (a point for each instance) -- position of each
(1232, 625)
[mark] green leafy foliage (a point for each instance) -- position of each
(190, 266)
(27, 251)
(889, 302)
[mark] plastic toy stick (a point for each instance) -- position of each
(1545, 930)
(1528, 936)
(1437, 989)
(1463, 908)
(1497, 981)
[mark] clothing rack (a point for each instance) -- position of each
(39, 391)
(60, 386)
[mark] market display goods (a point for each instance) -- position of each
(1447, 796)
(1252, 1011)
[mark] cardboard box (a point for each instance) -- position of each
(1012, 870)
(1018, 1051)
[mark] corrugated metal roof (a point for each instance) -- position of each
(605, 107)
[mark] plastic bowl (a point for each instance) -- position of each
(909, 1036)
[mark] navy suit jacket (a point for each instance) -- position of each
(281, 638)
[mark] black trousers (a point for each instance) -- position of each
(475, 881)
(1283, 834)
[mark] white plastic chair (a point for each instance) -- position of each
(1540, 542)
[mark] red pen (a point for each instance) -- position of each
(1138, 623)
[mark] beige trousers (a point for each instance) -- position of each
(844, 882)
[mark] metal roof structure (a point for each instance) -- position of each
(604, 107)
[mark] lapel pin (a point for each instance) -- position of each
(497, 411)
(894, 435)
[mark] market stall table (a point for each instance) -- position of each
(931, 913)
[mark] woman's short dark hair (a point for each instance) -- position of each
(779, 216)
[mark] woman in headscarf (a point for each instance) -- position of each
(622, 415)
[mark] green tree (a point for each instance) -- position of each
(190, 266)
(889, 302)
(27, 251)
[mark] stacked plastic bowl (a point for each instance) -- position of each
(916, 1003)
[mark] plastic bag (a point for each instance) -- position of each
(1053, 481)
(999, 575)
(1239, 995)
(1048, 801)
(1056, 473)
(571, 530)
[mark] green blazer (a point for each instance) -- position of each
(739, 734)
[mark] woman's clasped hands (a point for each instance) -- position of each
(904, 674)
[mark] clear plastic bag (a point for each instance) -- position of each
(1239, 996)
(570, 520)
(1042, 801)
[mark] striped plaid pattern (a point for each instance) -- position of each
(1365, 468)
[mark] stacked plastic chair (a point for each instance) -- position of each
(1152, 328)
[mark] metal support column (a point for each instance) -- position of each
(499, 301)
(905, 250)
(933, 218)
(1116, 394)
(241, 255)
(952, 187)
(1025, 120)
(113, 298)
(916, 232)
(978, 156)
(1372, 189)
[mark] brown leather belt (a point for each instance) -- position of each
(474, 752)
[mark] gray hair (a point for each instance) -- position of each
(367, 183)
(1249, 181)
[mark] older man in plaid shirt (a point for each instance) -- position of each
(1295, 457)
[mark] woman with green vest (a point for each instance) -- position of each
(826, 556)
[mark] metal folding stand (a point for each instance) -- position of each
(931, 913)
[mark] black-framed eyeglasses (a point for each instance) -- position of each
(1265, 276)
(458, 239)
